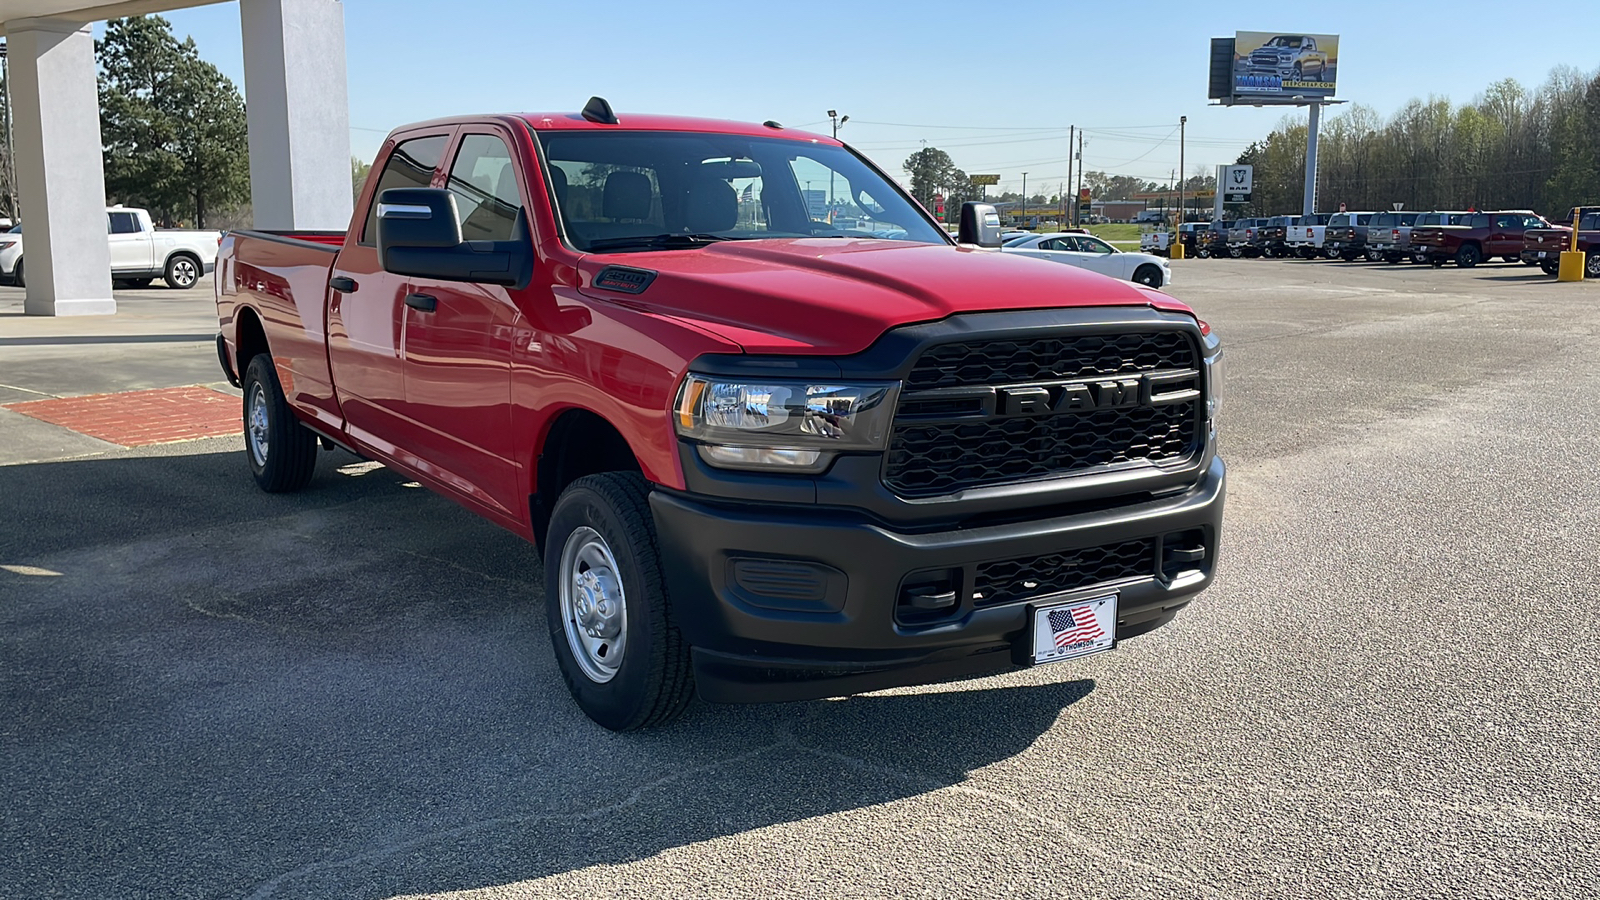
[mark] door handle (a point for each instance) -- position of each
(343, 285)
(423, 302)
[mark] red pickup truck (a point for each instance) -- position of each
(1480, 236)
(1543, 246)
(770, 451)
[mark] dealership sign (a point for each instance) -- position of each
(985, 180)
(1237, 182)
(1271, 67)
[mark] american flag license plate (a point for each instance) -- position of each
(1071, 629)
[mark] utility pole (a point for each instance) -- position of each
(834, 115)
(1072, 137)
(1183, 123)
(1024, 220)
(1076, 216)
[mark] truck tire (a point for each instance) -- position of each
(16, 274)
(282, 453)
(1235, 252)
(1591, 265)
(1203, 253)
(1550, 267)
(611, 623)
(183, 271)
(1148, 275)
(1468, 256)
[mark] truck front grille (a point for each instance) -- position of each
(1011, 580)
(952, 431)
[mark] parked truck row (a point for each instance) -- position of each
(1464, 238)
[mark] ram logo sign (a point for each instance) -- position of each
(1280, 67)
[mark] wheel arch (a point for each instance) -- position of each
(576, 443)
(249, 338)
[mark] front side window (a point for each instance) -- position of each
(123, 223)
(411, 165)
(1094, 245)
(620, 190)
(485, 184)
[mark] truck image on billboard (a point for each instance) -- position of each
(1275, 67)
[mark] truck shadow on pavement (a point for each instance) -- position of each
(350, 692)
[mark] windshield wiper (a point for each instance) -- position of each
(660, 241)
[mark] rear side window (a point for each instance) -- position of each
(485, 184)
(411, 165)
(124, 223)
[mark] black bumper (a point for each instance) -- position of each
(791, 602)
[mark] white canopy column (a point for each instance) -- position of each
(61, 183)
(299, 113)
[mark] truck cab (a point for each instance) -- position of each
(765, 455)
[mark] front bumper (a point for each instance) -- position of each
(850, 626)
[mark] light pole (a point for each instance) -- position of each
(837, 121)
(1023, 220)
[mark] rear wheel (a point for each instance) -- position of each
(1235, 252)
(610, 622)
(1203, 253)
(281, 451)
(1550, 267)
(1148, 275)
(1419, 258)
(1469, 256)
(183, 272)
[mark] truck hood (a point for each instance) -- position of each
(830, 296)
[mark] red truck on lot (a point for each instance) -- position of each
(766, 456)
(1481, 236)
(1543, 246)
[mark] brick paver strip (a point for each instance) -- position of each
(141, 418)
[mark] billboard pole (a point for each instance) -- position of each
(1309, 207)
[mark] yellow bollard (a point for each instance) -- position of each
(1571, 266)
(1177, 250)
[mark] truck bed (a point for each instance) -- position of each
(284, 275)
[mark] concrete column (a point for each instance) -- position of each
(61, 180)
(298, 104)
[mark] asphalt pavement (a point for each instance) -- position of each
(1391, 691)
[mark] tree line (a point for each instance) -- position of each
(1510, 148)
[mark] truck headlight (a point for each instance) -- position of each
(1215, 377)
(793, 426)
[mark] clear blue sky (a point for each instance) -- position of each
(994, 85)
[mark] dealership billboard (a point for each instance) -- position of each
(1274, 67)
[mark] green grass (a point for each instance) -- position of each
(1114, 233)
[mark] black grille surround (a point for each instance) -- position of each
(953, 431)
(1012, 580)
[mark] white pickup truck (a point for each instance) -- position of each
(1307, 238)
(139, 253)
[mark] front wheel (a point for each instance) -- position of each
(610, 622)
(1148, 275)
(1468, 256)
(281, 451)
(182, 272)
(1591, 265)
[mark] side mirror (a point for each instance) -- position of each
(980, 224)
(419, 235)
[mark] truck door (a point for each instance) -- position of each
(131, 245)
(458, 340)
(366, 311)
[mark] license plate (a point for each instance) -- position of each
(1541, 254)
(1069, 630)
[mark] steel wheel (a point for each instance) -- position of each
(257, 430)
(593, 608)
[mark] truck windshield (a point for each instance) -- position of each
(622, 190)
